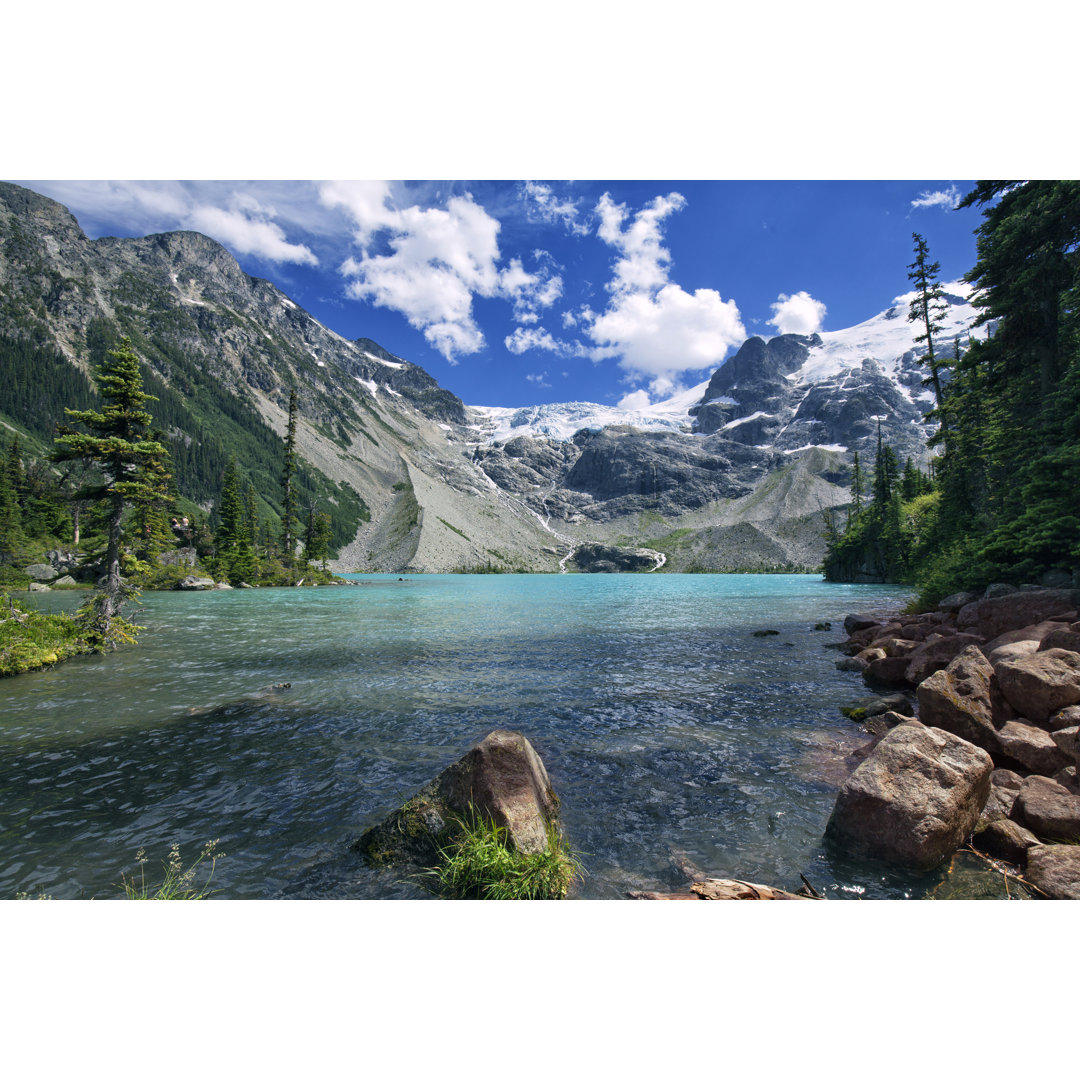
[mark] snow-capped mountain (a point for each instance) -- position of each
(790, 392)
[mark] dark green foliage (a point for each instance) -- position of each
(928, 309)
(288, 501)
(1005, 501)
(235, 558)
(117, 440)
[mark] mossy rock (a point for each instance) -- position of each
(501, 778)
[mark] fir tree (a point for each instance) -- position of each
(117, 440)
(235, 555)
(928, 308)
(288, 502)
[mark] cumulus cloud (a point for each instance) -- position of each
(797, 314)
(430, 262)
(542, 204)
(242, 216)
(540, 379)
(639, 399)
(249, 228)
(525, 338)
(656, 329)
(947, 200)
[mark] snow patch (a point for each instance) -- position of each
(813, 446)
(385, 363)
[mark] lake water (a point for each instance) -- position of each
(667, 728)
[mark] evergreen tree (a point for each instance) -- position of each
(235, 555)
(288, 502)
(857, 485)
(928, 308)
(12, 537)
(117, 439)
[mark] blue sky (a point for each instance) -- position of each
(517, 293)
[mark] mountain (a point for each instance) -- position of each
(735, 473)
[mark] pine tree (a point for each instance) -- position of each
(117, 440)
(928, 308)
(288, 502)
(235, 555)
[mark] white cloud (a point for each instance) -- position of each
(247, 228)
(438, 260)
(431, 262)
(797, 314)
(525, 338)
(238, 215)
(947, 200)
(540, 380)
(541, 203)
(639, 399)
(656, 328)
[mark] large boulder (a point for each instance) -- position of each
(1033, 634)
(195, 584)
(1064, 637)
(1048, 809)
(1054, 869)
(42, 572)
(997, 614)
(1005, 839)
(501, 777)
(914, 800)
(1031, 747)
(964, 699)
(1040, 684)
(933, 655)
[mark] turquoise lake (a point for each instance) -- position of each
(667, 728)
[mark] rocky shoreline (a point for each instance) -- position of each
(989, 755)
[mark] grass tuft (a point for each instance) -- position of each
(480, 865)
(179, 884)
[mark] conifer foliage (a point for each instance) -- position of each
(131, 470)
(1004, 504)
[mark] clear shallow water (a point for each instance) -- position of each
(665, 725)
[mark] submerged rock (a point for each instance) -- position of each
(500, 777)
(914, 800)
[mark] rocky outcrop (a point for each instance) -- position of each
(501, 778)
(914, 800)
(605, 559)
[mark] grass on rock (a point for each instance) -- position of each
(479, 864)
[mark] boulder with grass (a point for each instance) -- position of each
(495, 809)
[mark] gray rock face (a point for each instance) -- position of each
(603, 559)
(750, 399)
(42, 572)
(914, 800)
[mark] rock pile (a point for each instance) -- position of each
(996, 745)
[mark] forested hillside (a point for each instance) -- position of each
(1005, 502)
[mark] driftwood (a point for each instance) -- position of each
(725, 889)
(731, 889)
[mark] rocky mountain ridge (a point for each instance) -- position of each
(736, 477)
